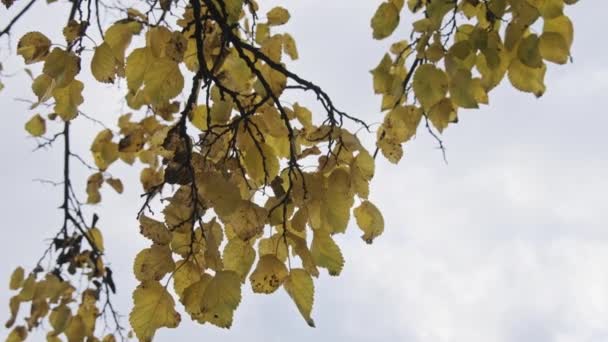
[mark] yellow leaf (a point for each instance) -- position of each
(401, 123)
(233, 9)
(72, 31)
(300, 287)
(277, 16)
(75, 331)
(370, 220)
(430, 85)
(18, 334)
(268, 275)
(154, 230)
(303, 115)
(67, 100)
(186, 274)
(157, 39)
(550, 8)
(274, 245)
(14, 304)
(138, 63)
(235, 73)
(326, 253)
(149, 177)
(222, 296)
(17, 278)
(163, 81)
(153, 308)
(105, 152)
(116, 184)
(383, 79)
(527, 79)
(554, 48)
(96, 238)
(119, 36)
(362, 171)
(528, 52)
(561, 25)
(94, 182)
(442, 114)
(260, 161)
(277, 81)
(108, 338)
(104, 64)
(153, 263)
(289, 46)
(262, 32)
(192, 296)
(133, 141)
(33, 47)
(364, 163)
(36, 126)
(238, 256)
(337, 201)
(62, 66)
(385, 20)
(391, 150)
(198, 117)
(462, 89)
(60, 318)
(223, 194)
(42, 87)
(247, 220)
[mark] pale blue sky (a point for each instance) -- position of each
(506, 243)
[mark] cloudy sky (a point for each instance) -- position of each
(508, 242)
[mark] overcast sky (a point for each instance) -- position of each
(507, 243)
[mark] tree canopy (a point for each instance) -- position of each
(252, 187)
